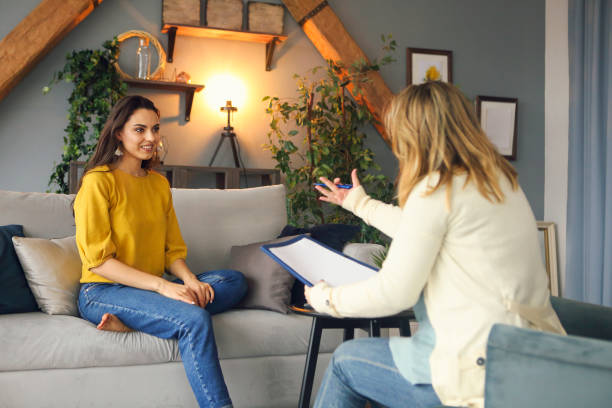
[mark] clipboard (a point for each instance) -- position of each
(311, 261)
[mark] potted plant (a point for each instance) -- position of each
(97, 87)
(330, 123)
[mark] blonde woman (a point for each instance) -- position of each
(464, 254)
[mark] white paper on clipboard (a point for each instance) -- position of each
(312, 262)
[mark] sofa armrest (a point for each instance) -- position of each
(363, 252)
(584, 319)
(528, 368)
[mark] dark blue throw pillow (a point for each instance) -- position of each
(333, 235)
(15, 294)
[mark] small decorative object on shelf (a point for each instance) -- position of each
(265, 17)
(144, 59)
(181, 12)
(183, 78)
(161, 54)
(224, 14)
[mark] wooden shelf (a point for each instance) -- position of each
(206, 32)
(188, 89)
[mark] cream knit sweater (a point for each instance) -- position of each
(478, 263)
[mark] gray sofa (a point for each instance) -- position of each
(63, 361)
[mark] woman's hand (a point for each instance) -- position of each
(307, 294)
(307, 290)
(177, 291)
(333, 194)
(205, 294)
(201, 293)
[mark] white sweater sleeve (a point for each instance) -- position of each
(420, 231)
(380, 215)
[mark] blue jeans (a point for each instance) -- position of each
(167, 318)
(363, 370)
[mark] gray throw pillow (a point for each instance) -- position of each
(269, 284)
(52, 268)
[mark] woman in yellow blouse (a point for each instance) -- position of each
(128, 235)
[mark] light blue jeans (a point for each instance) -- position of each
(363, 370)
(167, 318)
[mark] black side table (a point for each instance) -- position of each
(349, 324)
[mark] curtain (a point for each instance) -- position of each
(589, 203)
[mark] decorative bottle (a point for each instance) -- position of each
(144, 59)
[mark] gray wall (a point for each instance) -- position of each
(498, 50)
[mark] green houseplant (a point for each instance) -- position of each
(330, 124)
(97, 87)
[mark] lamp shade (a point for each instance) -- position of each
(225, 87)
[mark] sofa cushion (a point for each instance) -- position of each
(212, 221)
(15, 295)
(52, 268)
(31, 341)
(36, 340)
(42, 215)
(269, 283)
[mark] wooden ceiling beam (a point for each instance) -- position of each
(36, 35)
(323, 27)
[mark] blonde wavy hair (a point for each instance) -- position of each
(434, 129)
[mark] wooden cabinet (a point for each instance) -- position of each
(218, 177)
(199, 176)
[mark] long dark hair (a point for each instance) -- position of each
(108, 142)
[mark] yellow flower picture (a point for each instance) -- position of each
(425, 65)
(432, 74)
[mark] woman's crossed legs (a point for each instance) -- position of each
(363, 370)
(163, 317)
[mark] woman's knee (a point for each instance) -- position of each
(352, 348)
(234, 275)
(237, 280)
(363, 348)
(197, 318)
(343, 353)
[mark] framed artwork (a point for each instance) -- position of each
(428, 65)
(498, 120)
(548, 243)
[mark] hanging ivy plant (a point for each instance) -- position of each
(329, 122)
(97, 87)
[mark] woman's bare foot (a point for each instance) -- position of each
(110, 322)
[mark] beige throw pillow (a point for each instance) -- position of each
(52, 268)
(269, 283)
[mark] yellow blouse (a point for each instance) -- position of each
(129, 218)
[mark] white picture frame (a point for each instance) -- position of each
(424, 65)
(497, 117)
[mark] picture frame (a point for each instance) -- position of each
(498, 119)
(548, 241)
(423, 64)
